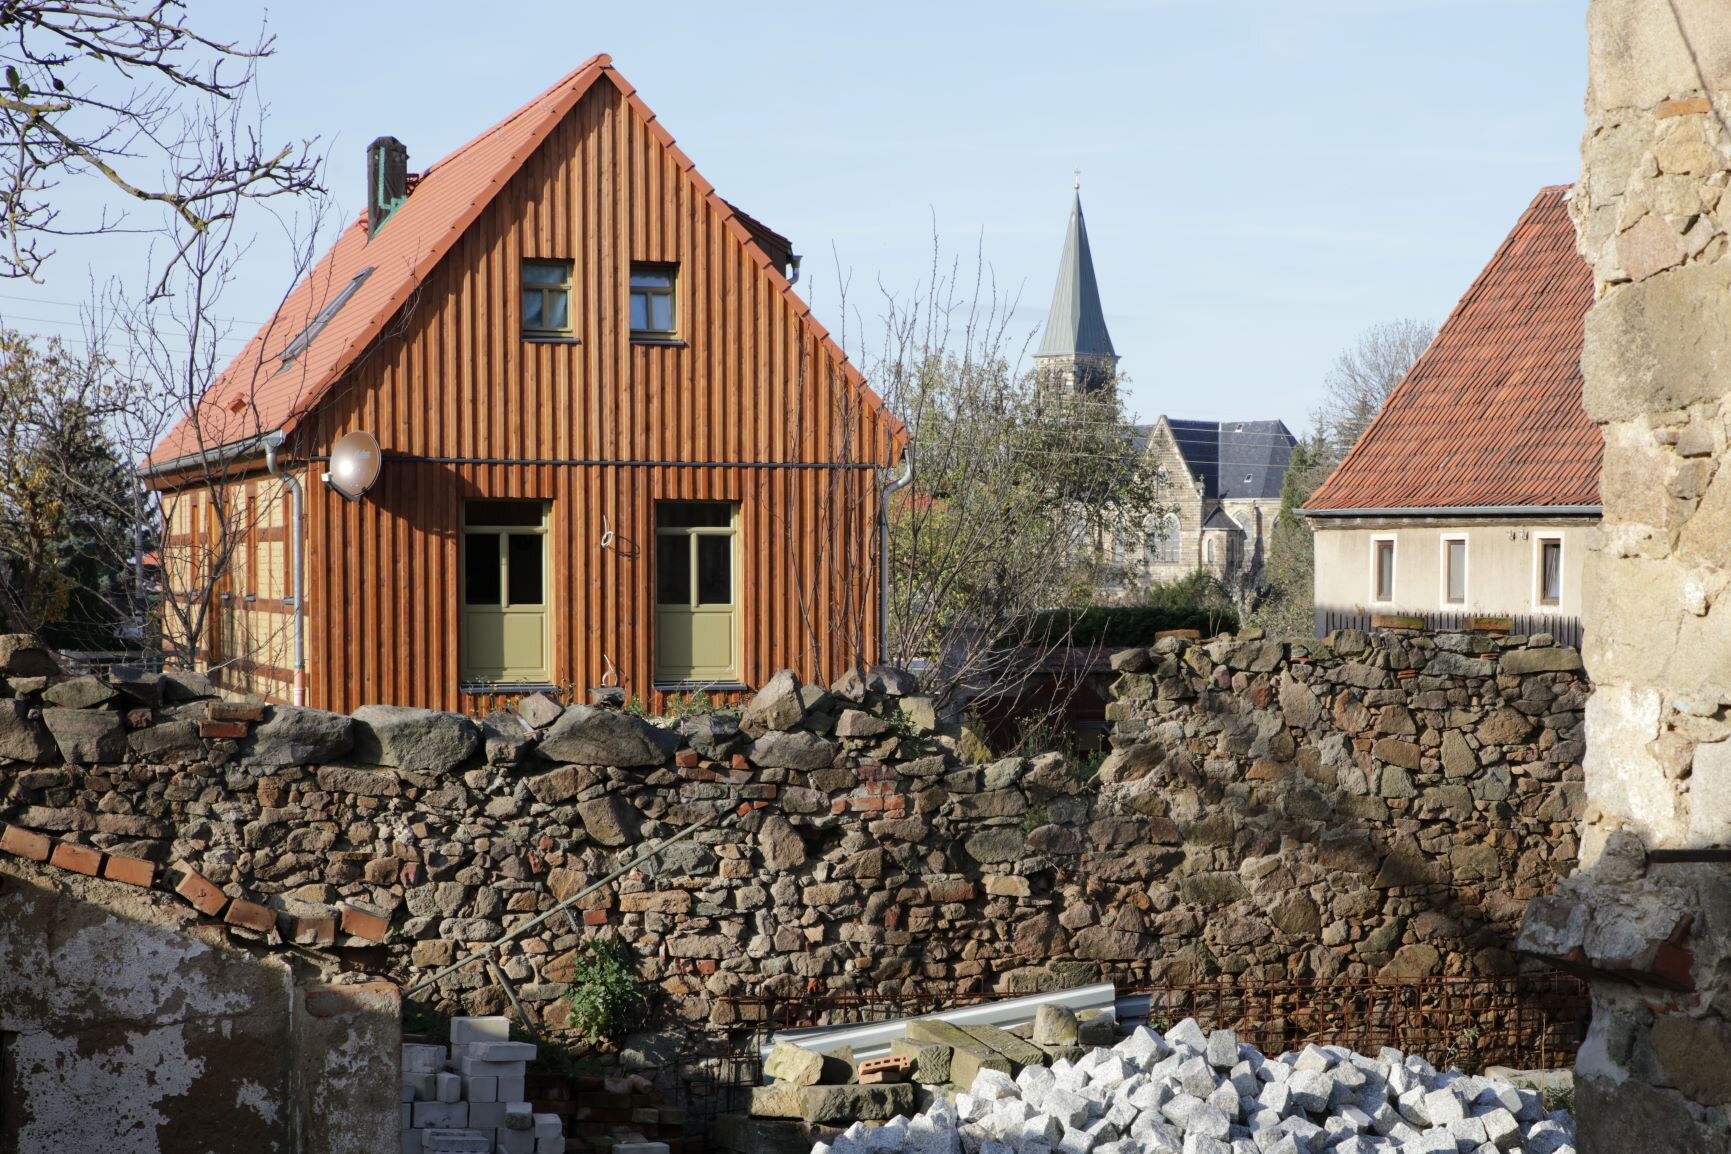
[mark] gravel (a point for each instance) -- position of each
(1190, 1092)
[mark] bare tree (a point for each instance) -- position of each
(1364, 375)
(1014, 486)
(121, 93)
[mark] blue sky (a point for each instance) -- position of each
(1262, 180)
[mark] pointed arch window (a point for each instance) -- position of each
(1163, 541)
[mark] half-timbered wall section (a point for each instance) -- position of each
(751, 404)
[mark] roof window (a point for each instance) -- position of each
(333, 306)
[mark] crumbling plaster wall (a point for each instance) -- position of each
(1653, 213)
(128, 1028)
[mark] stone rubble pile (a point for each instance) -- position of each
(1190, 1092)
(470, 1099)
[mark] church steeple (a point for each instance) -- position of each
(1076, 353)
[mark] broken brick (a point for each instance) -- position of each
(594, 917)
(221, 730)
(205, 897)
(234, 711)
(77, 858)
(133, 871)
(251, 915)
(25, 843)
(365, 923)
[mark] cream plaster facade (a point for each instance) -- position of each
(1502, 565)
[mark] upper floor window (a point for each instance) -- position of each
(653, 315)
(1163, 542)
(546, 298)
(1550, 571)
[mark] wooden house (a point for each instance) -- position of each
(616, 447)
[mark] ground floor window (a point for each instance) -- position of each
(696, 604)
(1550, 570)
(1455, 570)
(505, 632)
(1382, 568)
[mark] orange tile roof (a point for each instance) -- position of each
(254, 396)
(1491, 414)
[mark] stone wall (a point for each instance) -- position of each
(1381, 805)
(127, 1026)
(1651, 927)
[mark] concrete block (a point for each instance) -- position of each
(477, 1068)
(481, 1088)
(549, 1146)
(548, 1126)
(519, 1116)
(442, 1115)
(511, 1088)
(425, 1086)
(516, 1141)
(448, 1087)
(408, 1095)
(495, 1028)
(419, 1058)
(412, 1141)
(487, 1115)
(500, 1051)
(408, 1114)
(457, 1141)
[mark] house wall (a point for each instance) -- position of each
(752, 406)
(1502, 574)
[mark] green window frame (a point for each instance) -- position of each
(547, 298)
(696, 592)
(506, 628)
(654, 301)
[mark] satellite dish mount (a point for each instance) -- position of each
(355, 461)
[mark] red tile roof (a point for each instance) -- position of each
(1491, 414)
(255, 396)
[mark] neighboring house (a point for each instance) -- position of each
(1219, 480)
(1474, 490)
(617, 449)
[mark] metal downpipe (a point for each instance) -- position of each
(297, 565)
(894, 486)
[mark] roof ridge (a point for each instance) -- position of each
(600, 59)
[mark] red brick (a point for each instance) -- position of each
(1682, 106)
(200, 891)
(251, 915)
(688, 758)
(594, 917)
(364, 923)
(217, 730)
(131, 870)
(234, 711)
(739, 761)
(25, 843)
(77, 858)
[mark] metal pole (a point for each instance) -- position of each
(487, 950)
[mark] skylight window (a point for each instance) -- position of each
(333, 306)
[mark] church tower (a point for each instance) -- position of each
(1075, 354)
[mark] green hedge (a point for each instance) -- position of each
(1120, 625)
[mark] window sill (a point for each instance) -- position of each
(701, 686)
(549, 339)
(659, 342)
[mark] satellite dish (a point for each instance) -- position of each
(355, 460)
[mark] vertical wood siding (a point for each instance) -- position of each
(452, 381)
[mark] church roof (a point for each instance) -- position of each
(1076, 326)
(1235, 460)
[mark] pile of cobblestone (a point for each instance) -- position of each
(1190, 1092)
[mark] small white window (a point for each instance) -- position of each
(1208, 551)
(1550, 570)
(1454, 575)
(1382, 569)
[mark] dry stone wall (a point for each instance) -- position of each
(1368, 805)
